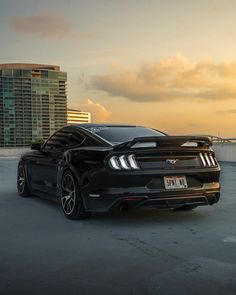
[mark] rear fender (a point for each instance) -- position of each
(61, 172)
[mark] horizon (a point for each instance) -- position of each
(166, 65)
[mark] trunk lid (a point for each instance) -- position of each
(169, 152)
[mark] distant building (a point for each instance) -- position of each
(78, 117)
(33, 102)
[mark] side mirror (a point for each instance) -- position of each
(36, 147)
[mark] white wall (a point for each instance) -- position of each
(225, 151)
(12, 152)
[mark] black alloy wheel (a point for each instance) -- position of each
(71, 200)
(22, 185)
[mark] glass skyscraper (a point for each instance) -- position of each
(33, 102)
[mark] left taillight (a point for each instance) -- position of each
(123, 162)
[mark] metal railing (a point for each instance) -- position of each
(218, 139)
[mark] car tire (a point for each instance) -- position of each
(71, 199)
(22, 184)
(185, 208)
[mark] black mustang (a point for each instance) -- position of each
(98, 167)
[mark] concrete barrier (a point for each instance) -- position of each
(225, 152)
(13, 152)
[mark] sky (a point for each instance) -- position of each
(165, 64)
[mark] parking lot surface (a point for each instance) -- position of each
(137, 252)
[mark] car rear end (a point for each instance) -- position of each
(157, 172)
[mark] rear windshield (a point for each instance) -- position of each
(122, 134)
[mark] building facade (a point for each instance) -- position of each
(78, 117)
(33, 102)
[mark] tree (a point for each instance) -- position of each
(38, 141)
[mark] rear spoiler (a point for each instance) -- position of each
(167, 141)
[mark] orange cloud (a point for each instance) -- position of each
(173, 78)
(226, 112)
(99, 113)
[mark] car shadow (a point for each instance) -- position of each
(133, 217)
(45, 201)
(150, 216)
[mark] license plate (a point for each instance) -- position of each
(175, 182)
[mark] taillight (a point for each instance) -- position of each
(123, 162)
(207, 160)
(114, 163)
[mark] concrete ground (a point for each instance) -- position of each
(142, 252)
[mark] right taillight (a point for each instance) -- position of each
(207, 160)
(123, 162)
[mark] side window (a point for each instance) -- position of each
(93, 142)
(75, 138)
(63, 139)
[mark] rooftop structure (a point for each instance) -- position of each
(78, 117)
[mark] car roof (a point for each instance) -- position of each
(88, 125)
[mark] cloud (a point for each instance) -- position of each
(222, 6)
(99, 113)
(45, 25)
(172, 78)
(41, 25)
(226, 112)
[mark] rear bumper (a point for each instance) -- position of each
(135, 197)
(108, 191)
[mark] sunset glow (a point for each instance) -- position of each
(165, 64)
